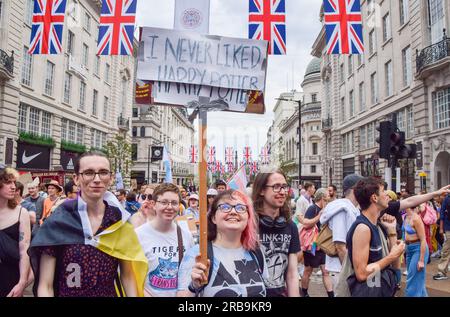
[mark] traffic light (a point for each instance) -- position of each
(385, 130)
(397, 143)
(408, 151)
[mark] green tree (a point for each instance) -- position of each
(119, 153)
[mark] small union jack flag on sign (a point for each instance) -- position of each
(193, 154)
(115, 33)
(47, 26)
(343, 26)
(229, 154)
(267, 21)
(247, 154)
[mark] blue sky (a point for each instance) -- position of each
(285, 72)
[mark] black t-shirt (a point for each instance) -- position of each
(277, 244)
(312, 212)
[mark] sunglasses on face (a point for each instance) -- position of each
(147, 197)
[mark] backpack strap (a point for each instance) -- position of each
(180, 245)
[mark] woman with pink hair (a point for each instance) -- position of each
(237, 266)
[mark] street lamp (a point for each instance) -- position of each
(299, 102)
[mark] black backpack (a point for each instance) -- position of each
(256, 255)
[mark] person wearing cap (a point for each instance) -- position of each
(340, 215)
(192, 210)
(210, 195)
(54, 194)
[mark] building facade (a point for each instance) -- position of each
(162, 126)
(311, 134)
(405, 70)
(54, 107)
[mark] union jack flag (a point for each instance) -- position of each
(193, 154)
(115, 33)
(264, 155)
(253, 168)
(230, 167)
(267, 21)
(343, 26)
(47, 27)
(211, 154)
(247, 154)
(229, 155)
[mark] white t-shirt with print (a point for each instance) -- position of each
(161, 250)
(234, 274)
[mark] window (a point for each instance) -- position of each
(370, 135)
(372, 42)
(374, 88)
(107, 73)
(135, 112)
(407, 66)
(46, 124)
(315, 148)
(70, 42)
(105, 108)
(362, 97)
(387, 33)
(33, 125)
(441, 108)
(134, 131)
(436, 19)
(343, 110)
(313, 168)
(48, 89)
(94, 102)
(360, 59)
(362, 138)
(401, 120)
(409, 122)
(388, 78)
(72, 131)
(350, 65)
(64, 129)
(85, 57)
(82, 96)
(404, 11)
(124, 97)
(27, 67)
(80, 133)
(87, 22)
(351, 100)
(22, 117)
(142, 131)
(67, 88)
(97, 66)
(134, 149)
(314, 97)
(29, 12)
(341, 73)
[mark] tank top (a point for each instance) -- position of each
(10, 272)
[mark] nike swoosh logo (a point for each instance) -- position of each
(26, 159)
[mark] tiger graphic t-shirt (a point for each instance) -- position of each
(161, 250)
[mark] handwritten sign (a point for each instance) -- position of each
(206, 60)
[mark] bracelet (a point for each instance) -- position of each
(192, 288)
(392, 234)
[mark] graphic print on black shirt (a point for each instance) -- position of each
(277, 244)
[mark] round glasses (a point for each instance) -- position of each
(226, 208)
(148, 197)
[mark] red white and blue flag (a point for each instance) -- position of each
(228, 155)
(230, 167)
(265, 155)
(267, 21)
(116, 30)
(253, 168)
(211, 154)
(193, 154)
(343, 26)
(247, 154)
(47, 26)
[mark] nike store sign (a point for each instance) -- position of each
(30, 156)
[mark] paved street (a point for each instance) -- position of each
(435, 288)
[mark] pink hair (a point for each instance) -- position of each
(249, 237)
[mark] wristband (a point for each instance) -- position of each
(392, 234)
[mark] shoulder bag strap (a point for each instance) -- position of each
(180, 245)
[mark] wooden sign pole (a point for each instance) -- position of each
(202, 171)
